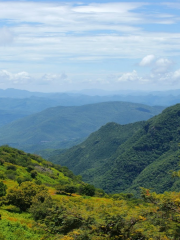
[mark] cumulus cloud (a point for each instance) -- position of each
(14, 78)
(176, 74)
(146, 61)
(129, 77)
(162, 65)
(54, 78)
(6, 36)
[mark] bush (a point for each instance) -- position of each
(23, 179)
(61, 220)
(2, 161)
(38, 182)
(40, 204)
(70, 189)
(22, 196)
(3, 188)
(33, 174)
(87, 189)
(11, 176)
(2, 175)
(11, 167)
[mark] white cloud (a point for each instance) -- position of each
(67, 31)
(54, 78)
(108, 8)
(129, 77)
(176, 74)
(14, 78)
(55, 36)
(146, 61)
(162, 65)
(6, 36)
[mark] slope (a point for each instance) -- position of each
(96, 150)
(147, 158)
(7, 116)
(55, 126)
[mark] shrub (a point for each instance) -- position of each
(2, 161)
(2, 175)
(23, 195)
(61, 220)
(40, 204)
(11, 167)
(33, 174)
(11, 176)
(3, 188)
(23, 179)
(38, 182)
(87, 189)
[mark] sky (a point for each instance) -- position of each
(60, 46)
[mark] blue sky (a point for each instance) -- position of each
(73, 45)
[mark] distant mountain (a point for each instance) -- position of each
(38, 101)
(17, 93)
(7, 116)
(61, 127)
(122, 158)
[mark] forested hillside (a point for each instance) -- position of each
(146, 158)
(40, 200)
(60, 127)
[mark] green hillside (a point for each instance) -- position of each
(95, 152)
(7, 116)
(145, 159)
(61, 127)
(40, 200)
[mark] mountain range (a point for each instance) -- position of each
(123, 158)
(61, 127)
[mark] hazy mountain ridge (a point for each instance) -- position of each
(57, 125)
(144, 159)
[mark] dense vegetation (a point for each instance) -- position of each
(40, 200)
(145, 158)
(55, 127)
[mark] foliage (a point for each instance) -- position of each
(23, 195)
(62, 127)
(40, 205)
(87, 189)
(3, 189)
(34, 211)
(124, 158)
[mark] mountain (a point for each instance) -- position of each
(7, 116)
(140, 158)
(38, 101)
(61, 126)
(96, 150)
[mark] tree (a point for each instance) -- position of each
(3, 188)
(22, 196)
(87, 189)
(40, 205)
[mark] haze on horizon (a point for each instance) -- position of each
(52, 46)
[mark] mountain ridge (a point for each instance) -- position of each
(153, 146)
(63, 125)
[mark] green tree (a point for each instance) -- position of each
(87, 189)
(3, 188)
(23, 195)
(40, 205)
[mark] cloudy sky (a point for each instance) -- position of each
(73, 45)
